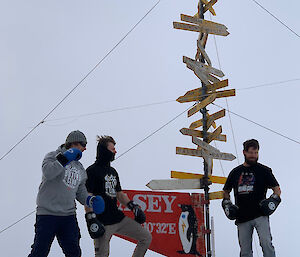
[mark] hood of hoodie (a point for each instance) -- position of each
(104, 156)
(61, 148)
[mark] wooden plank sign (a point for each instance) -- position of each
(201, 153)
(216, 195)
(204, 145)
(203, 26)
(217, 115)
(187, 175)
(215, 134)
(199, 133)
(198, 91)
(200, 65)
(199, 123)
(193, 98)
(208, 100)
(173, 184)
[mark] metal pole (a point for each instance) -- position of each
(205, 139)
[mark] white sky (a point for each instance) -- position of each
(46, 47)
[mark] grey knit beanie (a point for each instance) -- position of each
(76, 136)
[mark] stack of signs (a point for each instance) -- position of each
(212, 87)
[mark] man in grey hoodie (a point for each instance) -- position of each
(63, 181)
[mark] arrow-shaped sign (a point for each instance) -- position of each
(187, 175)
(202, 66)
(202, 153)
(203, 26)
(172, 184)
(205, 145)
(208, 100)
(199, 133)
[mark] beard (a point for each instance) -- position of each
(251, 161)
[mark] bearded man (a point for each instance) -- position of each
(250, 182)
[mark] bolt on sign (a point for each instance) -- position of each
(175, 221)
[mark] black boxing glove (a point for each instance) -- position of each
(139, 215)
(230, 209)
(95, 227)
(268, 206)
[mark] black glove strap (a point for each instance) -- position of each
(62, 159)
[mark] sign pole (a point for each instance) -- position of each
(205, 180)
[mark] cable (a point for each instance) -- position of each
(17, 221)
(112, 110)
(276, 18)
(262, 126)
(157, 103)
(268, 84)
(155, 132)
(80, 82)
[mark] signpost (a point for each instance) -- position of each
(207, 93)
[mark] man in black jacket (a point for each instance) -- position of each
(250, 182)
(103, 180)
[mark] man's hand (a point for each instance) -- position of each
(139, 215)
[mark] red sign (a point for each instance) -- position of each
(175, 220)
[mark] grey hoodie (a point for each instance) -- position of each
(60, 186)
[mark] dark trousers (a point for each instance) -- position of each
(66, 230)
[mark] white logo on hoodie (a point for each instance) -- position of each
(110, 185)
(72, 176)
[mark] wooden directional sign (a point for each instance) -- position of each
(173, 184)
(201, 153)
(203, 26)
(215, 116)
(215, 134)
(205, 145)
(199, 123)
(198, 91)
(199, 133)
(216, 195)
(202, 66)
(186, 175)
(200, 73)
(208, 100)
(195, 97)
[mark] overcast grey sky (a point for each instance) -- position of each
(46, 47)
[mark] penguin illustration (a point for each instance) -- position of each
(187, 227)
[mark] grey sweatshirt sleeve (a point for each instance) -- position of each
(82, 193)
(51, 168)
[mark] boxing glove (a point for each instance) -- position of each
(139, 215)
(230, 209)
(72, 154)
(268, 206)
(95, 227)
(96, 202)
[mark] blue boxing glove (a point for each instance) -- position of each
(96, 202)
(72, 154)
